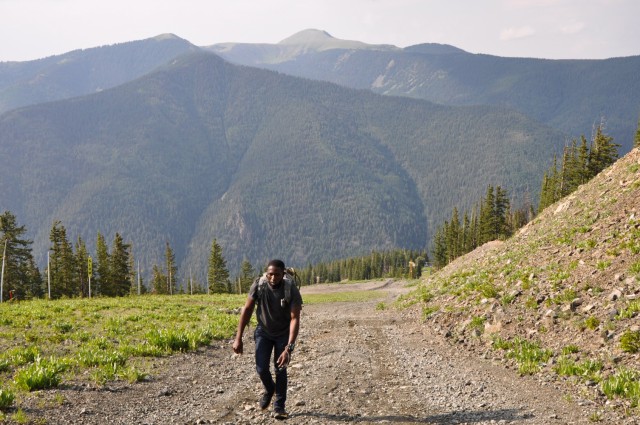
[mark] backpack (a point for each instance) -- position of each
(290, 278)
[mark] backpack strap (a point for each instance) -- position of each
(262, 282)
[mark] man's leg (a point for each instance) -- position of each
(281, 375)
(264, 348)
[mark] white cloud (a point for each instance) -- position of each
(573, 28)
(515, 33)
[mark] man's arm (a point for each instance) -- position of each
(245, 317)
(294, 328)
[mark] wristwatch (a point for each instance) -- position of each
(290, 347)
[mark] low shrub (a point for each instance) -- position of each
(40, 375)
(169, 339)
(624, 384)
(6, 398)
(630, 341)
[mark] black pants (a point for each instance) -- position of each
(265, 345)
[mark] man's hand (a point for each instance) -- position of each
(245, 317)
(238, 346)
(284, 358)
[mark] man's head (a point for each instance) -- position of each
(275, 271)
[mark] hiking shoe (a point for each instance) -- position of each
(280, 413)
(265, 400)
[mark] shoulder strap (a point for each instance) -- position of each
(287, 290)
(260, 290)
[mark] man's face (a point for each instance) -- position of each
(274, 275)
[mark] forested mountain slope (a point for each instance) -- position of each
(570, 95)
(268, 164)
(83, 72)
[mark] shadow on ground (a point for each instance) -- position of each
(444, 418)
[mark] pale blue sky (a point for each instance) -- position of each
(555, 29)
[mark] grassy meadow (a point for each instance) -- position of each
(44, 343)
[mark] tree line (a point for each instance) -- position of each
(493, 218)
(399, 263)
(580, 162)
(72, 272)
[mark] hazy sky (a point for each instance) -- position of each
(31, 29)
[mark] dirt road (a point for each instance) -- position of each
(353, 364)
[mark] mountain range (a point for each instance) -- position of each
(572, 96)
(163, 141)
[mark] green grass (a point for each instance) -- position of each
(591, 323)
(6, 398)
(105, 338)
(588, 369)
(631, 310)
(528, 355)
(625, 384)
(40, 375)
(351, 296)
(630, 341)
(427, 311)
(570, 349)
(477, 322)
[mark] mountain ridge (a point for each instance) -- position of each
(572, 96)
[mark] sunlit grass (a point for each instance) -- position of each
(45, 342)
(351, 296)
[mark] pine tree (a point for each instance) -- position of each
(550, 190)
(82, 260)
(20, 272)
(247, 276)
(487, 217)
(158, 281)
(439, 249)
(583, 161)
(62, 264)
(571, 175)
(172, 269)
(501, 210)
(603, 152)
(636, 139)
(103, 279)
(218, 274)
(119, 268)
(453, 236)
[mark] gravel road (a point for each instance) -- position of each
(353, 364)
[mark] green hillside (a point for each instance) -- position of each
(268, 164)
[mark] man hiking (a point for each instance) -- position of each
(279, 302)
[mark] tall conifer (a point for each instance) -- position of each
(20, 273)
(103, 278)
(218, 274)
(62, 263)
(172, 269)
(119, 267)
(247, 275)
